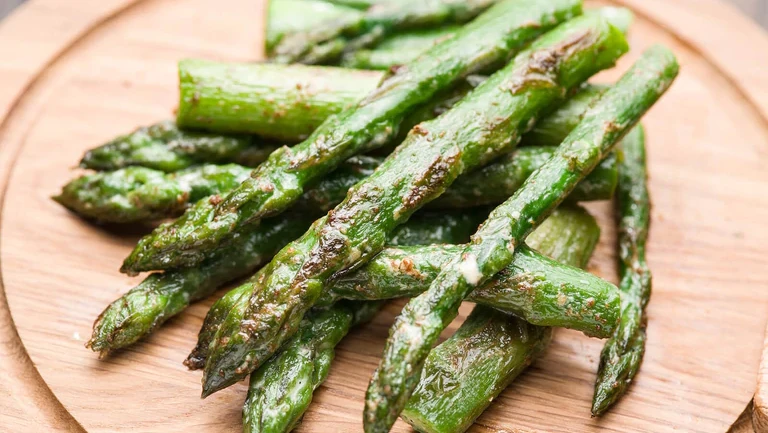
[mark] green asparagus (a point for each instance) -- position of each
(486, 123)
(465, 373)
(280, 102)
(135, 194)
(424, 228)
(165, 147)
(623, 353)
(398, 49)
(279, 181)
(291, 16)
(532, 287)
(377, 22)
(424, 317)
(281, 390)
(138, 194)
(163, 295)
(499, 347)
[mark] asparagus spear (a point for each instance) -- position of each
(378, 21)
(397, 49)
(291, 16)
(492, 248)
(279, 102)
(138, 194)
(165, 147)
(281, 390)
(424, 228)
(469, 370)
(623, 352)
(279, 181)
(532, 287)
(163, 295)
(488, 122)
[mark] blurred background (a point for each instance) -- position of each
(757, 9)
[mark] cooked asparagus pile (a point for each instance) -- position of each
(387, 176)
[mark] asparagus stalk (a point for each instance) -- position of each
(383, 19)
(280, 102)
(292, 16)
(492, 248)
(279, 181)
(165, 147)
(532, 287)
(469, 370)
(163, 295)
(138, 194)
(281, 390)
(398, 49)
(623, 352)
(424, 228)
(486, 123)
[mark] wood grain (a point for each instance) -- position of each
(708, 243)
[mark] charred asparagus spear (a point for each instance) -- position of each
(279, 181)
(486, 123)
(165, 147)
(163, 295)
(403, 47)
(469, 370)
(281, 390)
(532, 287)
(378, 21)
(135, 194)
(425, 228)
(498, 347)
(138, 194)
(493, 246)
(623, 353)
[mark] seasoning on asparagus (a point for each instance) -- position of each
(492, 248)
(280, 180)
(623, 353)
(163, 146)
(377, 22)
(424, 228)
(464, 374)
(281, 390)
(483, 125)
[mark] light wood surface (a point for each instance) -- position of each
(108, 66)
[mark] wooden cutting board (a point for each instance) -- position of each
(75, 73)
